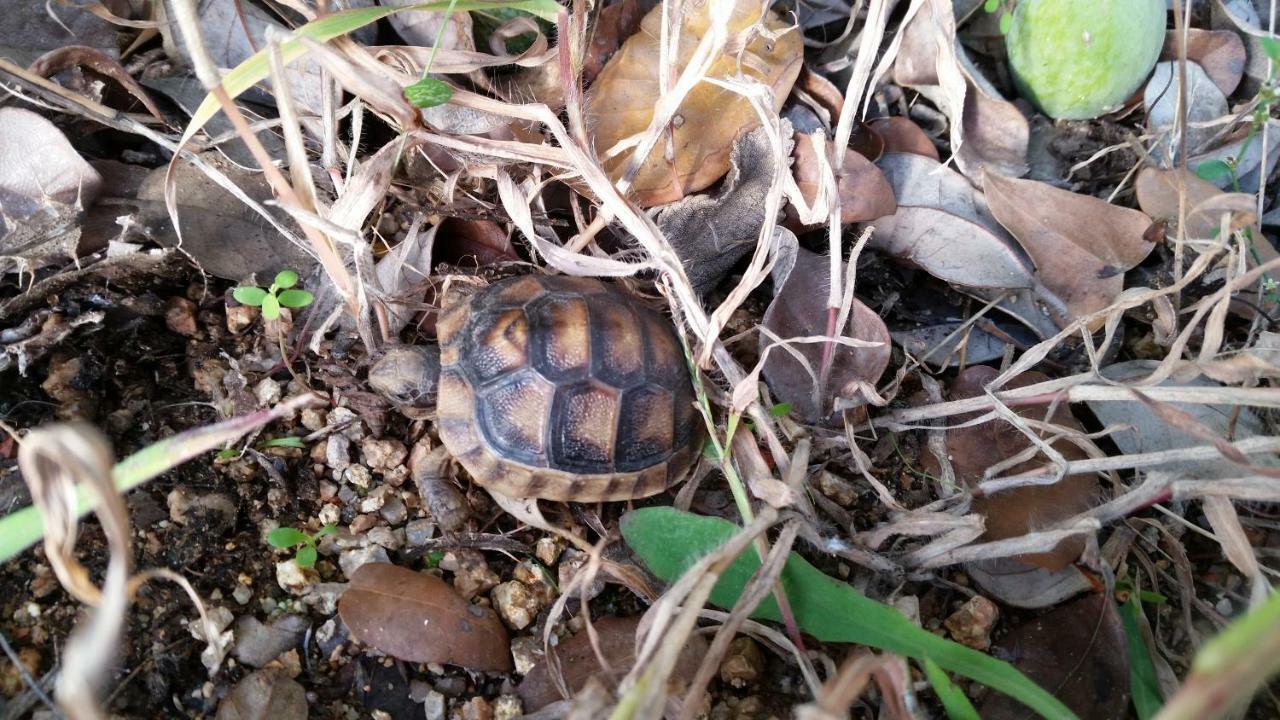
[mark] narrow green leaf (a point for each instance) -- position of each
(953, 698)
(228, 453)
(247, 295)
(1213, 170)
(670, 541)
(306, 556)
(289, 441)
(428, 93)
(1006, 23)
(256, 68)
(295, 298)
(780, 409)
(286, 279)
(1142, 673)
(991, 5)
(270, 307)
(1270, 46)
(286, 537)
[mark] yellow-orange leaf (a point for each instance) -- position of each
(621, 103)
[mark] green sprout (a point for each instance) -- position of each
(280, 294)
(287, 537)
(1006, 17)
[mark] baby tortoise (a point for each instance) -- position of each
(564, 388)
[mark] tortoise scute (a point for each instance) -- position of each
(564, 388)
(584, 421)
(514, 418)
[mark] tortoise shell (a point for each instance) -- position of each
(566, 389)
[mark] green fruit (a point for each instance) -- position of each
(1078, 59)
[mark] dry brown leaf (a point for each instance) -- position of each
(578, 662)
(1017, 511)
(1078, 651)
(1157, 192)
(1081, 245)
(799, 310)
(44, 185)
(942, 226)
(420, 618)
(901, 135)
(621, 103)
(98, 61)
(1221, 53)
(616, 23)
(483, 242)
(421, 27)
(864, 193)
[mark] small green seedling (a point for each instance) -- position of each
(289, 441)
(280, 294)
(287, 537)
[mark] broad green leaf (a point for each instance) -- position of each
(306, 556)
(780, 409)
(991, 5)
(953, 698)
(286, 537)
(428, 93)
(228, 453)
(1213, 170)
(1142, 674)
(1006, 23)
(290, 441)
(1271, 47)
(294, 298)
(270, 307)
(286, 279)
(252, 296)
(256, 68)
(326, 530)
(670, 541)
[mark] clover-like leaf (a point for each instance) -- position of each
(294, 298)
(428, 93)
(306, 556)
(286, 537)
(270, 307)
(286, 279)
(248, 295)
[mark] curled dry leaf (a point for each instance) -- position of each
(421, 27)
(1157, 192)
(578, 662)
(1078, 651)
(986, 130)
(901, 135)
(1017, 511)
(98, 61)
(1220, 52)
(942, 226)
(621, 103)
(863, 191)
(799, 310)
(44, 184)
(1082, 246)
(420, 618)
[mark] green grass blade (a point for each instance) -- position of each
(256, 68)
(669, 541)
(1142, 673)
(953, 698)
(22, 528)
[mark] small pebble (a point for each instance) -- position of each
(507, 707)
(352, 427)
(418, 532)
(240, 317)
(180, 316)
(394, 510)
(435, 706)
(383, 454)
(477, 708)
(337, 454)
(314, 419)
(242, 594)
(267, 391)
(350, 560)
(517, 605)
(382, 535)
(359, 476)
(548, 549)
(971, 624)
(743, 664)
(292, 578)
(526, 651)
